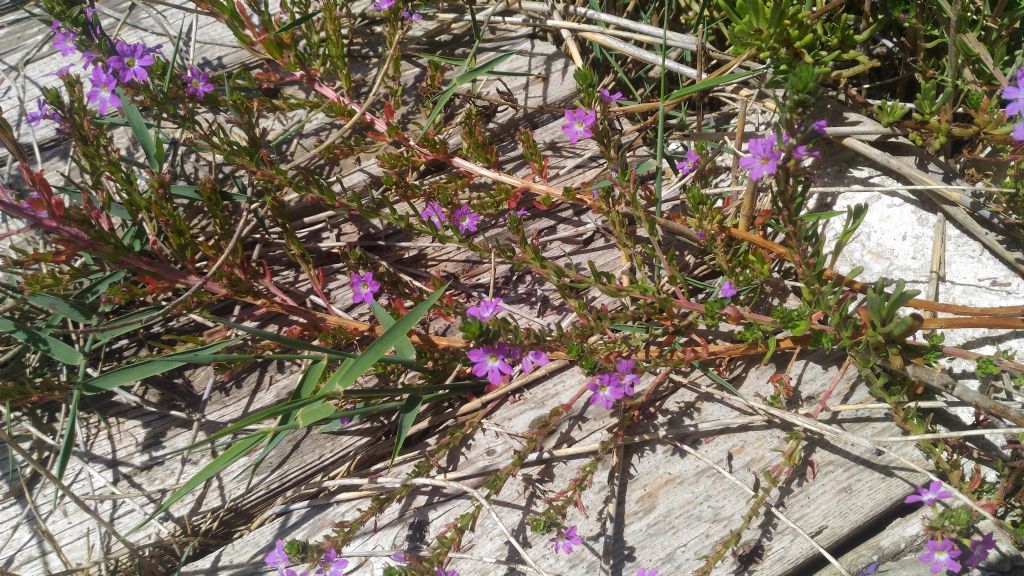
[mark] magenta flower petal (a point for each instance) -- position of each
(577, 124)
(485, 310)
(363, 287)
(728, 290)
(763, 159)
(941, 555)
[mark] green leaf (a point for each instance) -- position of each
(127, 323)
(68, 443)
(404, 348)
(406, 418)
(42, 342)
(226, 458)
(711, 83)
(387, 340)
(131, 113)
(145, 369)
(821, 215)
(314, 413)
(468, 76)
(306, 386)
(296, 23)
(67, 308)
(174, 57)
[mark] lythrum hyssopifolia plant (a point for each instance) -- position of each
(288, 213)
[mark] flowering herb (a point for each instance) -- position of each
(197, 83)
(465, 219)
(607, 388)
(929, 494)
(533, 359)
(492, 362)
(277, 558)
(624, 370)
(689, 164)
(577, 124)
(63, 39)
(1014, 94)
(728, 289)
(763, 159)
(608, 97)
(44, 112)
(382, 5)
(941, 555)
(441, 572)
(102, 94)
(565, 540)
(980, 549)
(434, 213)
(330, 564)
(363, 287)
(131, 61)
(485, 310)
(819, 126)
(411, 16)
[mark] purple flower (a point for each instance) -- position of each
(728, 289)
(331, 565)
(941, 554)
(131, 61)
(565, 539)
(441, 572)
(819, 127)
(63, 70)
(624, 371)
(609, 97)
(63, 39)
(980, 549)
(278, 558)
(411, 16)
(1018, 132)
(871, 570)
(802, 152)
(763, 159)
(88, 59)
(490, 361)
(485, 310)
(89, 12)
(577, 124)
(363, 287)
(37, 205)
(607, 388)
(533, 359)
(465, 219)
(102, 93)
(929, 494)
(1015, 95)
(382, 5)
(400, 557)
(647, 572)
(197, 83)
(434, 213)
(690, 164)
(44, 113)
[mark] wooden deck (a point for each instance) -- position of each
(654, 505)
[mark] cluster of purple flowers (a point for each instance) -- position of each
(1015, 96)
(764, 154)
(44, 113)
(497, 361)
(942, 553)
(689, 164)
(608, 388)
(565, 539)
(463, 217)
(328, 565)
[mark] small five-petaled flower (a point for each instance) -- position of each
(728, 289)
(485, 310)
(763, 159)
(1015, 94)
(979, 549)
(363, 287)
(564, 540)
(577, 124)
(197, 83)
(942, 555)
(929, 494)
(689, 164)
(608, 97)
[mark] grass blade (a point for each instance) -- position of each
(43, 343)
(406, 418)
(68, 443)
(226, 458)
(404, 348)
(145, 369)
(131, 113)
(387, 340)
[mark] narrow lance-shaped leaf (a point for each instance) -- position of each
(145, 369)
(404, 348)
(406, 418)
(43, 343)
(218, 465)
